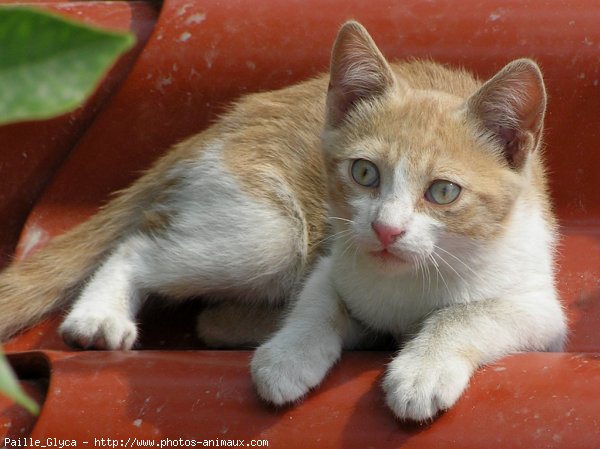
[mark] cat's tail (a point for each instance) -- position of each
(48, 279)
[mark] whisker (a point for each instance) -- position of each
(428, 276)
(439, 273)
(427, 270)
(348, 244)
(341, 219)
(458, 260)
(449, 266)
(335, 236)
(422, 266)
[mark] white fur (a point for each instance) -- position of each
(221, 243)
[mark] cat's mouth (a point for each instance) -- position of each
(385, 256)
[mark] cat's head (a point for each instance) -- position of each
(417, 170)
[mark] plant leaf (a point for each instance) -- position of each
(9, 385)
(49, 65)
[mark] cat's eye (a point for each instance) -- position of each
(442, 192)
(365, 173)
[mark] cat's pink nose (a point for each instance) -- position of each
(387, 234)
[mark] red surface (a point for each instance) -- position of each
(521, 402)
(200, 56)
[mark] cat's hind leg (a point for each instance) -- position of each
(233, 324)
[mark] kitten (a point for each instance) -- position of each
(442, 230)
(419, 208)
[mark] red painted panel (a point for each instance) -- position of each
(524, 401)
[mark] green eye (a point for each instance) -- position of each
(365, 173)
(442, 192)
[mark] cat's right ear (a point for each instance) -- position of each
(358, 72)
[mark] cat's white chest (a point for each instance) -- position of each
(385, 303)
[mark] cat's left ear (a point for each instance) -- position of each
(511, 108)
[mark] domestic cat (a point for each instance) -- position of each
(442, 230)
(407, 199)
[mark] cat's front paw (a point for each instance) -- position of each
(418, 387)
(98, 329)
(283, 375)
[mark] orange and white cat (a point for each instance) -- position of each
(442, 230)
(406, 199)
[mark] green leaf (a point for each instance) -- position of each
(9, 385)
(50, 65)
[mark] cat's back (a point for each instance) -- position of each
(277, 132)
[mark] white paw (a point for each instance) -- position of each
(418, 387)
(285, 374)
(98, 329)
